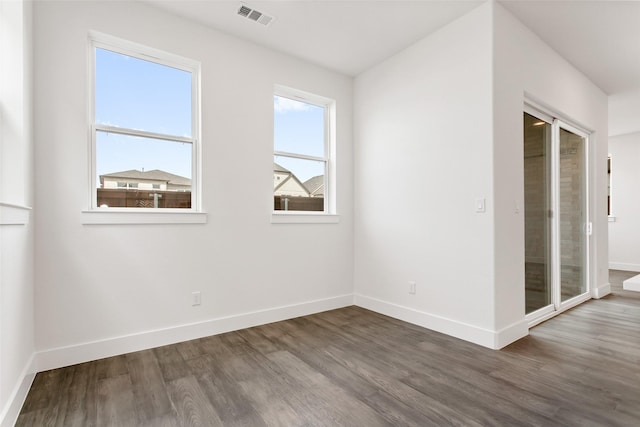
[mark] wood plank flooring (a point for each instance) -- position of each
(353, 367)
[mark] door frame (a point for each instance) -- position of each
(558, 306)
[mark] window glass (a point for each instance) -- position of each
(116, 153)
(299, 127)
(302, 169)
(143, 95)
(301, 162)
(143, 142)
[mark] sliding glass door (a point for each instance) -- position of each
(556, 215)
(572, 215)
(537, 197)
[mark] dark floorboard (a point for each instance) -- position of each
(353, 367)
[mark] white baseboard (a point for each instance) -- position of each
(632, 284)
(79, 353)
(624, 266)
(484, 337)
(10, 412)
(510, 334)
(601, 291)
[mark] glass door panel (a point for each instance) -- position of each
(555, 216)
(572, 218)
(537, 147)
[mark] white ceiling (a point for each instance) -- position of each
(601, 38)
(346, 36)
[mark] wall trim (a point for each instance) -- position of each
(118, 216)
(94, 350)
(625, 266)
(10, 412)
(632, 284)
(601, 291)
(11, 214)
(484, 337)
(511, 334)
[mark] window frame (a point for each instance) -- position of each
(171, 215)
(329, 213)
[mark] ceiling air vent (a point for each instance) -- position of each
(257, 16)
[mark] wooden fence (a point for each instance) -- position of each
(134, 198)
(281, 203)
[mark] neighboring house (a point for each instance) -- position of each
(155, 179)
(285, 183)
(315, 186)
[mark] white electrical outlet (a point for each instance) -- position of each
(196, 298)
(412, 288)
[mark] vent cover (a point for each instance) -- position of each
(254, 15)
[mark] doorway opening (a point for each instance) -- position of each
(557, 226)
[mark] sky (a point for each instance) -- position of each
(143, 95)
(298, 128)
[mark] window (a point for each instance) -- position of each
(145, 113)
(302, 163)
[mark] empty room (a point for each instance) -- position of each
(319, 213)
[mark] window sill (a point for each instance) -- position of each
(304, 218)
(106, 217)
(11, 214)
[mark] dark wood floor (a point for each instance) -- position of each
(352, 367)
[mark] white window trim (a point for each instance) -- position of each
(110, 216)
(302, 217)
(12, 214)
(329, 215)
(97, 215)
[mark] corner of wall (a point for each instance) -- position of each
(9, 414)
(526, 67)
(511, 334)
(601, 291)
(494, 340)
(17, 358)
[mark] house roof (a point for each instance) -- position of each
(315, 185)
(152, 175)
(278, 168)
(292, 176)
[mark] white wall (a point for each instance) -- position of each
(437, 127)
(624, 231)
(526, 67)
(106, 289)
(624, 147)
(16, 197)
(624, 110)
(423, 156)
